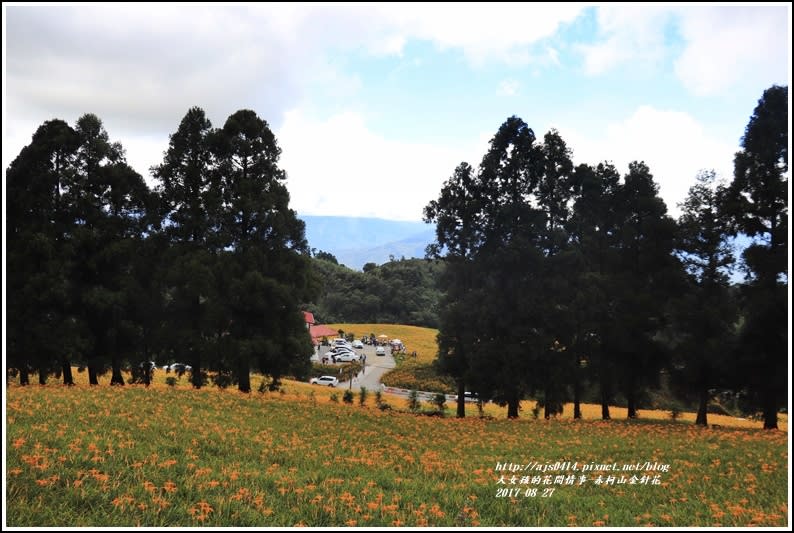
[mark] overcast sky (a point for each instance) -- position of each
(374, 106)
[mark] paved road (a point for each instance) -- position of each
(375, 367)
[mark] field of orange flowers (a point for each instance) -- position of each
(173, 456)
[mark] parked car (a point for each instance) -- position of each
(471, 397)
(343, 343)
(331, 381)
(358, 344)
(347, 357)
(342, 349)
(380, 350)
(338, 352)
(179, 368)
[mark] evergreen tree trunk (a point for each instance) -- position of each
(195, 353)
(577, 399)
(42, 376)
(770, 409)
(461, 399)
(92, 375)
(701, 419)
(147, 371)
(116, 378)
(195, 373)
(631, 400)
(604, 401)
(66, 370)
(244, 377)
(512, 405)
(24, 378)
(547, 404)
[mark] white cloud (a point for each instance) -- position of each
(674, 145)
(139, 68)
(392, 45)
(484, 32)
(508, 88)
(628, 34)
(726, 45)
(144, 152)
(715, 47)
(552, 56)
(338, 166)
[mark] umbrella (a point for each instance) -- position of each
(383, 336)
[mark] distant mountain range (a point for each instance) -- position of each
(357, 241)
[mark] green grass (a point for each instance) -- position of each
(164, 456)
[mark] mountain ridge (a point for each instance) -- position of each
(355, 241)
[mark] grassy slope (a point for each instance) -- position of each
(174, 456)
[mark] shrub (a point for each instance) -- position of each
(334, 397)
(223, 379)
(347, 397)
(204, 378)
(362, 396)
(418, 376)
(382, 405)
(440, 401)
(171, 381)
(413, 402)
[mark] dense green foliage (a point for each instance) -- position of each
(398, 292)
(208, 268)
(708, 311)
(559, 279)
(758, 206)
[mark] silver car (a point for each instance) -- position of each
(347, 357)
(331, 381)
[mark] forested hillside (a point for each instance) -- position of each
(402, 291)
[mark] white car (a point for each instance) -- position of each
(331, 381)
(347, 357)
(342, 343)
(358, 344)
(380, 350)
(338, 352)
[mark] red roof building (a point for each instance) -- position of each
(318, 332)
